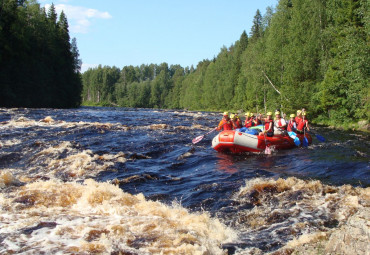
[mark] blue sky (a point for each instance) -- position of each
(135, 32)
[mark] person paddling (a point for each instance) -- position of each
(298, 117)
(303, 124)
(255, 120)
(292, 125)
(225, 123)
(269, 126)
(280, 124)
(258, 119)
(238, 119)
(248, 120)
(235, 122)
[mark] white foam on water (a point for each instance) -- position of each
(306, 211)
(9, 143)
(99, 217)
(67, 160)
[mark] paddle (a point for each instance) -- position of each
(267, 149)
(199, 138)
(293, 135)
(320, 138)
(305, 141)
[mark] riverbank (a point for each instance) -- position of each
(361, 125)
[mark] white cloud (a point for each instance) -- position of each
(79, 17)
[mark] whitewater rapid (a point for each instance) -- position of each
(74, 182)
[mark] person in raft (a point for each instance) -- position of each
(258, 119)
(248, 120)
(251, 116)
(303, 124)
(234, 121)
(280, 124)
(238, 118)
(225, 123)
(255, 120)
(298, 117)
(292, 125)
(269, 126)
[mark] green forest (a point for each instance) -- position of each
(39, 63)
(312, 54)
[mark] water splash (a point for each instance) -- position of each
(50, 216)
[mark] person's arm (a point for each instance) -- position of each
(255, 121)
(283, 123)
(220, 125)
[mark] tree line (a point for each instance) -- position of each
(312, 54)
(39, 64)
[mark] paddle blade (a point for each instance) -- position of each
(320, 138)
(267, 150)
(305, 142)
(297, 142)
(292, 135)
(197, 139)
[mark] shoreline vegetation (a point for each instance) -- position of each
(301, 54)
(361, 125)
(311, 54)
(39, 62)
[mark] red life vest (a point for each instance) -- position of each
(238, 123)
(248, 123)
(267, 125)
(301, 124)
(280, 125)
(292, 126)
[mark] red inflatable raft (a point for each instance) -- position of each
(237, 142)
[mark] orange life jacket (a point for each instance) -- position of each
(225, 125)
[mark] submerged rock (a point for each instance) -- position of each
(47, 119)
(364, 125)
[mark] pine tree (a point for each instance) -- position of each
(256, 31)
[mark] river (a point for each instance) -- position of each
(130, 181)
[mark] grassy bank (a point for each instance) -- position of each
(362, 125)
